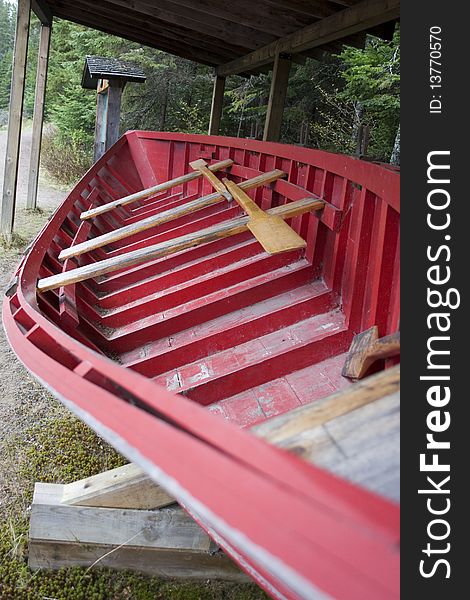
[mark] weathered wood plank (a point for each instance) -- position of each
(123, 487)
(152, 191)
(163, 217)
(359, 17)
(191, 240)
(38, 116)
(12, 155)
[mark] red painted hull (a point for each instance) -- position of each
(245, 334)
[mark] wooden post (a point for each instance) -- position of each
(113, 113)
(100, 124)
(277, 96)
(217, 105)
(14, 122)
(38, 118)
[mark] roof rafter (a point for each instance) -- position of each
(101, 14)
(169, 12)
(359, 17)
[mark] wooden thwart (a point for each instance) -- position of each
(151, 191)
(271, 231)
(210, 234)
(366, 348)
(165, 216)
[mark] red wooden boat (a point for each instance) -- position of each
(171, 348)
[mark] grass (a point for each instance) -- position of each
(60, 451)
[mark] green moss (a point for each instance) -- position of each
(61, 451)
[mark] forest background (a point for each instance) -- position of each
(328, 103)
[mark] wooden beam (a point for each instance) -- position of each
(217, 105)
(38, 116)
(42, 11)
(260, 15)
(152, 191)
(198, 21)
(150, 38)
(99, 144)
(359, 17)
(204, 236)
(165, 543)
(12, 156)
(124, 487)
(163, 217)
(113, 114)
(172, 35)
(277, 97)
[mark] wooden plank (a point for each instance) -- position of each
(166, 248)
(271, 231)
(166, 542)
(217, 105)
(200, 165)
(153, 190)
(366, 348)
(164, 217)
(124, 487)
(359, 17)
(38, 116)
(43, 11)
(361, 446)
(12, 155)
(277, 97)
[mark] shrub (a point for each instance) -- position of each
(66, 160)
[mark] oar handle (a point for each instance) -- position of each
(248, 205)
(201, 166)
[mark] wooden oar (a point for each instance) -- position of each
(210, 234)
(151, 191)
(200, 165)
(271, 231)
(165, 216)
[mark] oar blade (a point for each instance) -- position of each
(274, 234)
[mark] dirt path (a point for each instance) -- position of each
(22, 400)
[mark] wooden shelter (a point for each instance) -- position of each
(108, 76)
(235, 38)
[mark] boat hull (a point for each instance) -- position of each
(97, 347)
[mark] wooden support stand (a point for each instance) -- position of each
(122, 519)
(164, 542)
